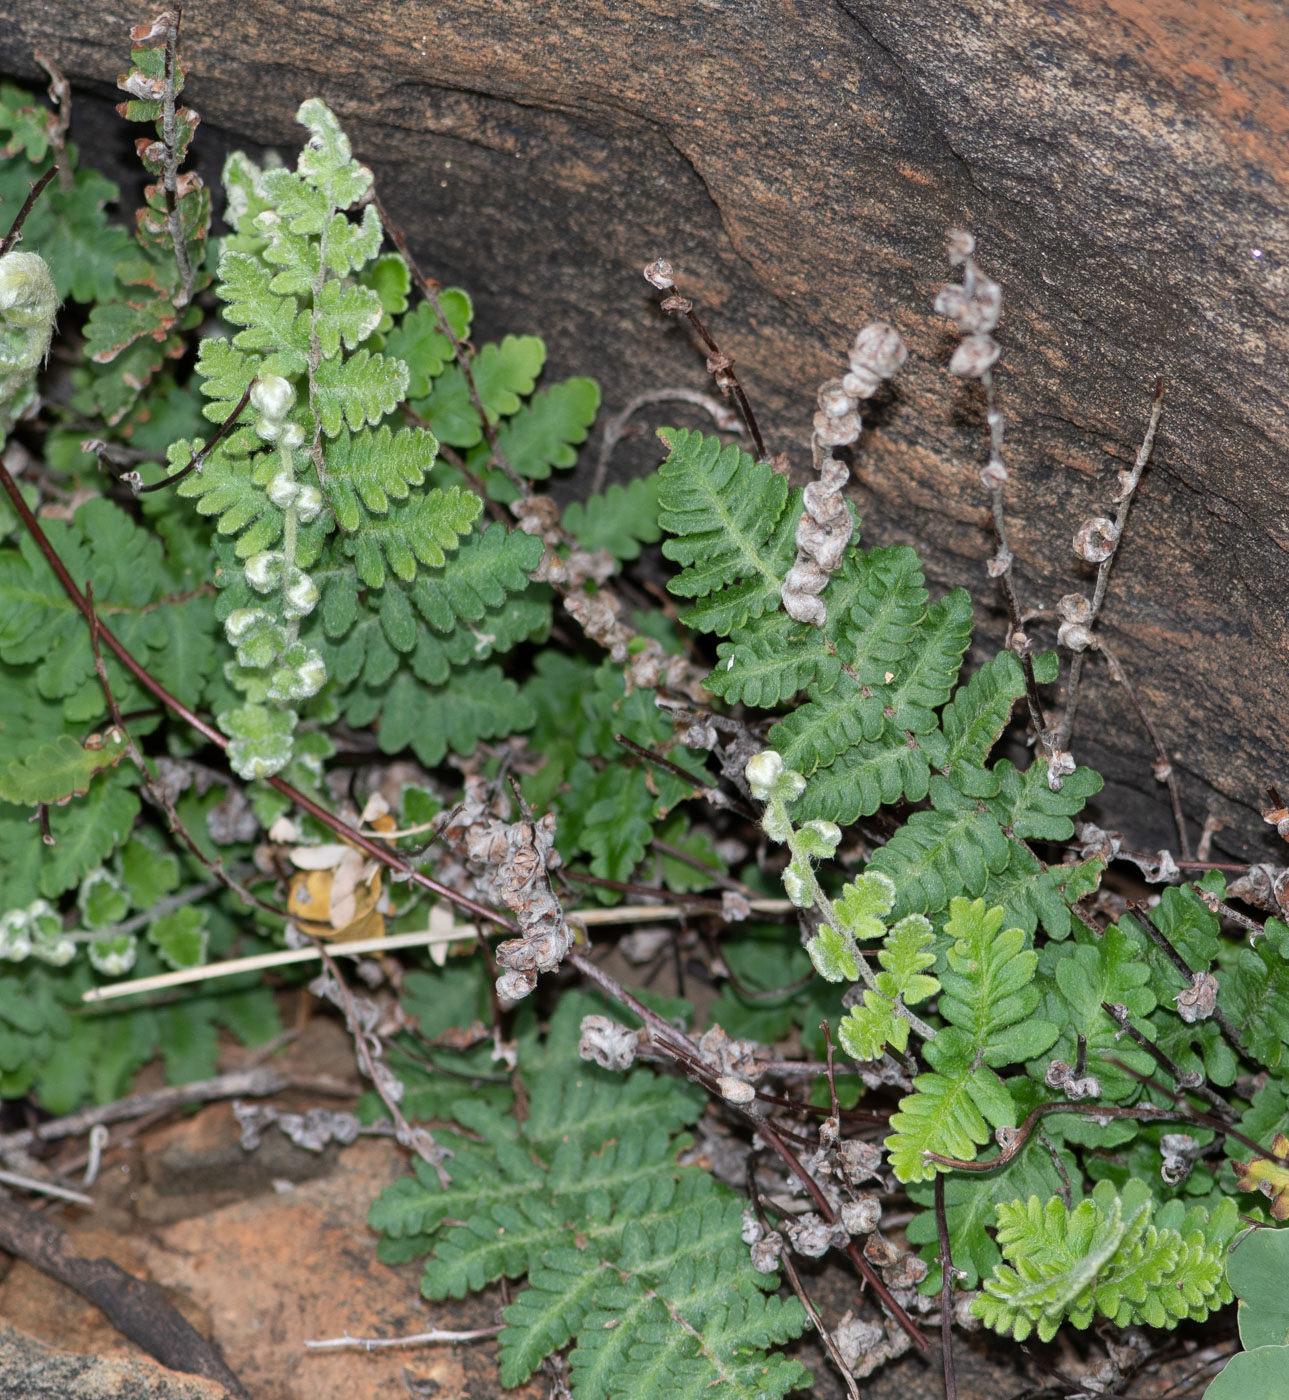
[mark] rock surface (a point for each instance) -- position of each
(29, 1370)
(257, 1275)
(1123, 164)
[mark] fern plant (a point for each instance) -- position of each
(635, 1261)
(874, 676)
(987, 1002)
(353, 575)
(1113, 1255)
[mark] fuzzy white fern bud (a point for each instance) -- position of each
(48, 941)
(312, 674)
(15, 935)
(272, 397)
(301, 595)
(308, 503)
(791, 785)
(264, 571)
(763, 772)
(797, 887)
(300, 682)
(239, 623)
(27, 293)
(828, 835)
(28, 305)
(283, 490)
(114, 956)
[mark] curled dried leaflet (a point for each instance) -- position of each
(825, 528)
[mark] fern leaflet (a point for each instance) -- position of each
(988, 999)
(1111, 1255)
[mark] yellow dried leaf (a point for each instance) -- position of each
(1271, 1178)
(309, 904)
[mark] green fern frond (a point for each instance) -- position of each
(269, 322)
(940, 1116)
(831, 722)
(679, 1313)
(973, 720)
(988, 998)
(131, 575)
(227, 487)
(905, 956)
(362, 389)
(612, 824)
(476, 702)
(970, 1199)
(417, 339)
(57, 771)
(1254, 990)
(520, 618)
(505, 372)
(877, 606)
(484, 570)
(368, 471)
(856, 738)
(940, 854)
(724, 513)
(69, 226)
(884, 616)
(866, 776)
(1107, 1256)
(1077, 977)
(925, 679)
(586, 1199)
(767, 667)
(546, 431)
(1027, 807)
(1033, 894)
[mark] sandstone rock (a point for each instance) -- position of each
(30, 1370)
(1123, 164)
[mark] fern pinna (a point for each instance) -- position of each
(635, 1261)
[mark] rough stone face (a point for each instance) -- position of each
(1123, 165)
(29, 1370)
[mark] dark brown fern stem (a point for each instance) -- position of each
(15, 229)
(719, 365)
